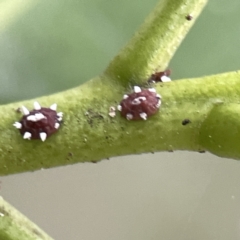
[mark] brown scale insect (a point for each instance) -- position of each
(140, 104)
(160, 76)
(40, 122)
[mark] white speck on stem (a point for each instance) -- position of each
(112, 109)
(112, 114)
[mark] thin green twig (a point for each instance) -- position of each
(15, 226)
(154, 45)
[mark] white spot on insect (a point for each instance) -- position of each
(165, 79)
(56, 125)
(36, 117)
(129, 116)
(140, 104)
(39, 116)
(25, 110)
(143, 116)
(119, 107)
(36, 106)
(137, 89)
(43, 136)
(60, 114)
(138, 100)
(151, 89)
(125, 96)
(53, 107)
(17, 125)
(159, 96)
(159, 103)
(27, 135)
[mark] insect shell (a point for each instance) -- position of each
(140, 104)
(160, 76)
(39, 123)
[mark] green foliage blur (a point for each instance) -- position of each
(50, 46)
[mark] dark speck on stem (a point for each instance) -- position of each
(189, 17)
(185, 121)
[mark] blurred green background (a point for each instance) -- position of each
(49, 46)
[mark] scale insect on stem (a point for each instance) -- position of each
(39, 123)
(140, 104)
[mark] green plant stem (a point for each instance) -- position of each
(89, 134)
(15, 226)
(155, 43)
